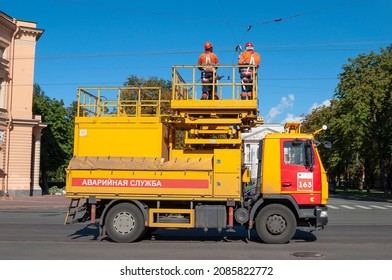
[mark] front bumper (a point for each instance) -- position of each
(321, 213)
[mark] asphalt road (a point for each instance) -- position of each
(357, 230)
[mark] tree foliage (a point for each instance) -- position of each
(57, 137)
(360, 121)
(136, 83)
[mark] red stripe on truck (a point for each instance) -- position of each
(140, 183)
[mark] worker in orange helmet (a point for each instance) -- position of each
(248, 57)
(208, 62)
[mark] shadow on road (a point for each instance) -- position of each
(88, 230)
(239, 234)
(304, 236)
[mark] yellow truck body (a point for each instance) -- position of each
(142, 161)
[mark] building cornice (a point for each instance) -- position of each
(30, 32)
(7, 21)
(12, 24)
(28, 122)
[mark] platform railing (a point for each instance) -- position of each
(121, 102)
(226, 82)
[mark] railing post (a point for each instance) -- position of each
(78, 106)
(139, 105)
(174, 86)
(234, 83)
(193, 84)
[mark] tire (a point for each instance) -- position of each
(276, 224)
(124, 223)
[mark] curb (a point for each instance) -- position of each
(25, 202)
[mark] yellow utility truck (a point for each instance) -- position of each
(145, 158)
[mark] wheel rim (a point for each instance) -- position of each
(124, 223)
(276, 224)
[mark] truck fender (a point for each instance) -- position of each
(277, 197)
(253, 211)
(289, 198)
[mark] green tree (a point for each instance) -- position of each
(365, 92)
(325, 115)
(360, 121)
(57, 137)
(136, 83)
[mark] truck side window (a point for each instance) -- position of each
(294, 154)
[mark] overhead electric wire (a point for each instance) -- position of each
(177, 16)
(279, 19)
(88, 56)
(271, 48)
(180, 53)
(121, 83)
(227, 20)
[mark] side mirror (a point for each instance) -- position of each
(327, 144)
(308, 143)
(309, 154)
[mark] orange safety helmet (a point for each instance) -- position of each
(249, 46)
(207, 46)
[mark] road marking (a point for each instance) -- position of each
(369, 207)
(378, 207)
(363, 207)
(348, 207)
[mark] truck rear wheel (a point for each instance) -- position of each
(124, 223)
(276, 224)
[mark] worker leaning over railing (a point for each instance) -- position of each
(209, 61)
(248, 57)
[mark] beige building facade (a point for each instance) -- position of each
(20, 130)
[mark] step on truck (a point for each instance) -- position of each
(149, 157)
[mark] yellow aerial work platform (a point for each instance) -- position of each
(220, 120)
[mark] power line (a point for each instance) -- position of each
(294, 87)
(121, 83)
(104, 55)
(297, 79)
(280, 19)
(105, 8)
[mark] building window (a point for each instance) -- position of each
(2, 51)
(247, 153)
(2, 93)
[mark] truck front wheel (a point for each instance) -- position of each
(124, 223)
(276, 224)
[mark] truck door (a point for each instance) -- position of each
(300, 171)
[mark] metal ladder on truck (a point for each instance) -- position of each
(72, 211)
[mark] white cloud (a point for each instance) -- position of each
(325, 103)
(292, 118)
(285, 103)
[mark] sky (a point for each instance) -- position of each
(303, 43)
